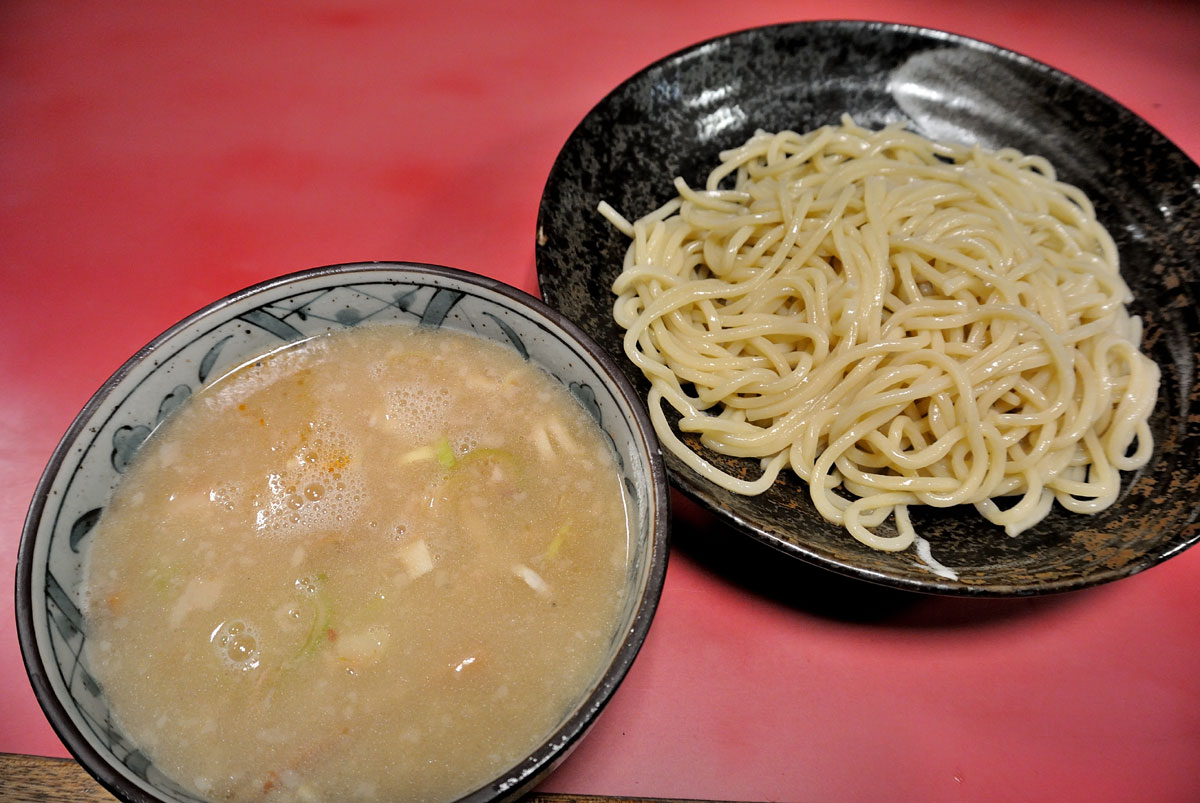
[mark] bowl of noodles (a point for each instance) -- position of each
(902, 304)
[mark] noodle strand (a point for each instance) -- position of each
(898, 321)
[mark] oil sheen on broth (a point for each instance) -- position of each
(378, 564)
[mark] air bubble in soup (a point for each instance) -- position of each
(379, 564)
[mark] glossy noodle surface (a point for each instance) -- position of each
(898, 321)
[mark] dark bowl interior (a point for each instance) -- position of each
(674, 117)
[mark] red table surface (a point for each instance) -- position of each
(157, 156)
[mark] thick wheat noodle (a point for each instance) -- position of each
(898, 321)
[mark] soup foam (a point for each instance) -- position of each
(379, 564)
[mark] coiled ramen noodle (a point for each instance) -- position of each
(898, 321)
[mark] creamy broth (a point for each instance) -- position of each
(378, 564)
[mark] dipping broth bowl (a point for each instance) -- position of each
(89, 461)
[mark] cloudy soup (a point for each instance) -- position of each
(378, 564)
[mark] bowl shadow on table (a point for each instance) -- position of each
(757, 568)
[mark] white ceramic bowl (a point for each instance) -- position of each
(89, 461)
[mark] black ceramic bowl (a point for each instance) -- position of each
(89, 461)
(674, 117)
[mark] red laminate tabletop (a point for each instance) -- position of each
(157, 156)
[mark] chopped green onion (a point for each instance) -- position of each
(445, 452)
(322, 610)
(555, 543)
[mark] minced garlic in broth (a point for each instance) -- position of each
(379, 564)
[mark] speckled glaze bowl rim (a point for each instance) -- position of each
(553, 750)
(695, 487)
